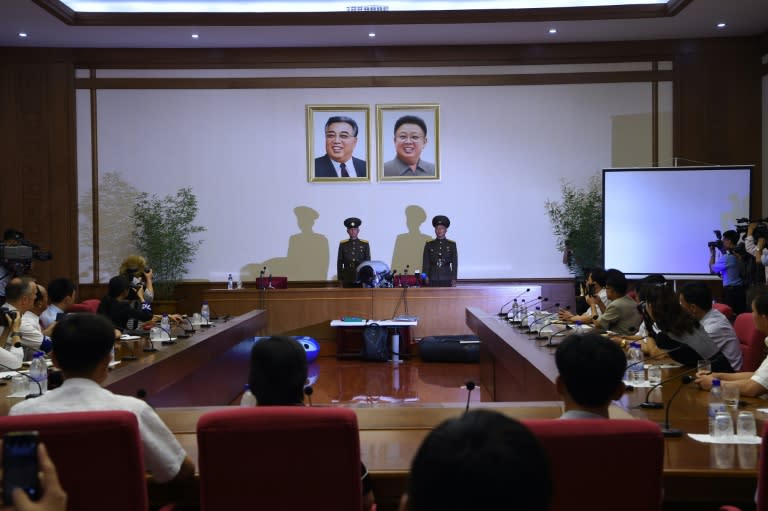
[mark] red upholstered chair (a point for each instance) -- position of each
(750, 340)
(90, 305)
(725, 309)
(594, 460)
(281, 457)
(98, 456)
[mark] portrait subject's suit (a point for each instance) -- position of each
(324, 167)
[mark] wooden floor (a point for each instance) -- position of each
(409, 383)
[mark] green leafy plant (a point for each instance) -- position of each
(163, 234)
(577, 223)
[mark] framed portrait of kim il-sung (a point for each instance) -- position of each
(408, 142)
(338, 143)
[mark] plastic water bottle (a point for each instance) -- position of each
(636, 362)
(514, 313)
(205, 313)
(248, 398)
(230, 282)
(38, 371)
(578, 328)
(523, 314)
(716, 404)
(165, 324)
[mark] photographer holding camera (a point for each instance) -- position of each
(728, 264)
(139, 275)
(754, 242)
(16, 256)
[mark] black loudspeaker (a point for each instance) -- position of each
(450, 348)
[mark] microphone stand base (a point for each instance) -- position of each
(671, 432)
(149, 350)
(652, 406)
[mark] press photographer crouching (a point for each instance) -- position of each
(726, 261)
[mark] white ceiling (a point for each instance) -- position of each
(698, 19)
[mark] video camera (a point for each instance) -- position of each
(17, 255)
(761, 229)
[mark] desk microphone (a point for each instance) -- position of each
(654, 405)
(39, 388)
(501, 310)
(308, 392)
(556, 334)
(261, 277)
(542, 318)
(673, 432)
(470, 386)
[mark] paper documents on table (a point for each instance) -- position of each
(733, 439)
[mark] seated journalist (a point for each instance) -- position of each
(277, 377)
(82, 349)
(590, 375)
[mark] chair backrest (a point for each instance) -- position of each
(725, 309)
(98, 456)
(750, 340)
(595, 461)
(90, 305)
(281, 457)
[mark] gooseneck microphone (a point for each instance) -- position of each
(501, 309)
(39, 387)
(673, 432)
(470, 386)
(308, 392)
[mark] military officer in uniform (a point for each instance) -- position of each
(441, 260)
(352, 252)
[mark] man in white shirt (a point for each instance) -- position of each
(61, 295)
(82, 349)
(696, 298)
(597, 299)
(33, 337)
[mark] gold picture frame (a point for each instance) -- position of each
(324, 156)
(408, 142)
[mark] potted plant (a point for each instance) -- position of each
(577, 222)
(163, 234)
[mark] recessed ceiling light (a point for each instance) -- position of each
(721, 25)
(195, 36)
(371, 34)
(22, 34)
(553, 31)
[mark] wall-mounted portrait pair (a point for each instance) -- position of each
(338, 143)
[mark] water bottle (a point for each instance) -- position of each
(230, 282)
(578, 328)
(716, 404)
(38, 371)
(523, 314)
(165, 324)
(205, 312)
(514, 313)
(636, 367)
(248, 398)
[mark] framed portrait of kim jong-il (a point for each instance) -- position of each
(338, 143)
(408, 142)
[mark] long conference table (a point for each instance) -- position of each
(182, 380)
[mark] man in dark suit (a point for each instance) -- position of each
(340, 142)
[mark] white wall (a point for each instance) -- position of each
(503, 151)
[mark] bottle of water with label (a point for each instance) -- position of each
(205, 312)
(38, 371)
(230, 282)
(716, 404)
(523, 314)
(165, 324)
(636, 364)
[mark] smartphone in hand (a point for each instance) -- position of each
(20, 466)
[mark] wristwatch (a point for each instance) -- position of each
(623, 344)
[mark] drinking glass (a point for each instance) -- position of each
(704, 366)
(19, 384)
(745, 425)
(723, 426)
(654, 374)
(731, 395)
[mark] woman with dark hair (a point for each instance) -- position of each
(753, 384)
(116, 306)
(677, 332)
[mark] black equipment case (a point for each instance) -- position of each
(450, 348)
